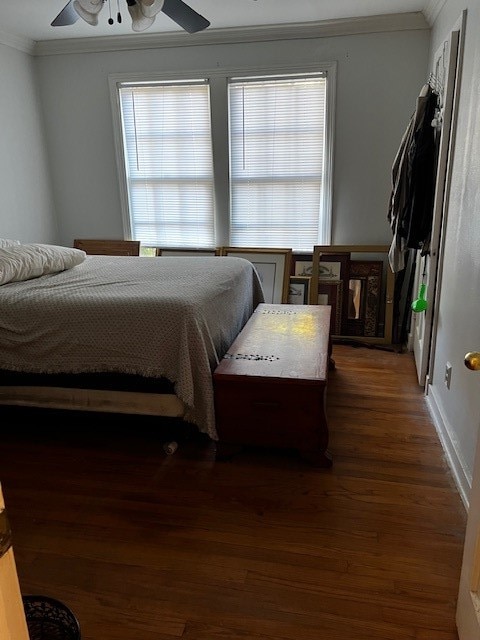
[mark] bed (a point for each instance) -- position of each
(126, 334)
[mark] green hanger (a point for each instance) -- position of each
(420, 304)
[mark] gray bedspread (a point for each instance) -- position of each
(172, 317)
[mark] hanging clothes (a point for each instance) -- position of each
(410, 212)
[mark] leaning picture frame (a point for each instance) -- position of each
(330, 267)
(329, 271)
(367, 276)
(372, 319)
(182, 252)
(331, 293)
(299, 290)
(273, 268)
(301, 264)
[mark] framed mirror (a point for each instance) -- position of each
(363, 305)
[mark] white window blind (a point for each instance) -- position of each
(168, 163)
(277, 162)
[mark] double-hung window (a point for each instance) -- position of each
(277, 167)
(271, 141)
(168, 163)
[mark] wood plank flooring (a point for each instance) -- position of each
(144, 546)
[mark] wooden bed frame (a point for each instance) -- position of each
(95, 400)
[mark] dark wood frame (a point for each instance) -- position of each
(301, 257)
(306, 281)
(335, 292)
(387, 290)
(371, 274)
(108, 247)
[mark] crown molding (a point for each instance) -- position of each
(432, 10)
(17, 42)
(322, 29)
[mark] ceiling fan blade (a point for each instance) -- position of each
(67, 16)
(184, 16)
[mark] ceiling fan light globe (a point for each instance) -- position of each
(90, 18)
(91, 6)
(150, 8)
(140, 22)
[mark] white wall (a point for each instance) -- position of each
(458, 408)
(379, 76)
(26, 204)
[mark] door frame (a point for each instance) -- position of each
(13, 624)
(468, 602)
(424, 328)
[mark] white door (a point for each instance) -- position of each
(468, 605)
(13, 625)
(445, 78)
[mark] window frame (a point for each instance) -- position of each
(217, 80)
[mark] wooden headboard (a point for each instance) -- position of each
(108, 247)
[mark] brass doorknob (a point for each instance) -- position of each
(472, 360)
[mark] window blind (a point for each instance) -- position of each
(168, 163)
(277, 158)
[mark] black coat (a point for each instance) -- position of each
(413, 182)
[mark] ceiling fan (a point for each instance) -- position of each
(142, 12)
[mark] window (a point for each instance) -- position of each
(277, 151)
(168, 163)
(232, 160)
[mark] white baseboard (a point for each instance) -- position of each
(462, 479)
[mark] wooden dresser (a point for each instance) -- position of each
(270, 387)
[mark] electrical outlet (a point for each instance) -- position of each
(448, 374)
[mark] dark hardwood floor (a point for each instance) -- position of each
(145, 546)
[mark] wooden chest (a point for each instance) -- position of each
(270, 387)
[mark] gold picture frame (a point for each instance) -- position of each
(273, 268)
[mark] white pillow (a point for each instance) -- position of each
(5, 242)
(27, 261)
